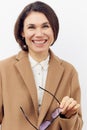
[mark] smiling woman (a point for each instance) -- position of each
(23, 77)
(45, 12)
(38, 35)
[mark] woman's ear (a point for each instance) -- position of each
(22, 34)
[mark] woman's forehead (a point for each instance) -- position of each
(36, 17)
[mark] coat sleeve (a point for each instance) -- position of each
(75, 122)
(0, 101)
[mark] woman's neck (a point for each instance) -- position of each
(39, 57)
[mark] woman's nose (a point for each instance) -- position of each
(39, 32)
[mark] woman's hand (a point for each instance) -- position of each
(69, 106)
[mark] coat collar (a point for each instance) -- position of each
(24, 68)
(55, 72)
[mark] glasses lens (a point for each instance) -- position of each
(56, 113)
(44, 125)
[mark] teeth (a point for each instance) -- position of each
(39, 42)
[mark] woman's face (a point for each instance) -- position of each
(38, 33)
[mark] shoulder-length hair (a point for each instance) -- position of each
(38, 7)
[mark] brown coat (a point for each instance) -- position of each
(17, 88)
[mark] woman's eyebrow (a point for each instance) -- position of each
(46, 23)
(30, 24)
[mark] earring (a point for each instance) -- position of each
(25, 46)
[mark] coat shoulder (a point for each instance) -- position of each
(7, 61)
(66, 65)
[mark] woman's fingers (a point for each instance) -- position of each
(69, 106)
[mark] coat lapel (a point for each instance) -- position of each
(24, 68)
(55, 73)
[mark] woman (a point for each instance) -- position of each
(38, 90)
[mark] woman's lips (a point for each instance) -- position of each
(39, 41)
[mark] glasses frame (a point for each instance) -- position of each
(46, 120)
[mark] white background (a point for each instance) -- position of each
(72, 41)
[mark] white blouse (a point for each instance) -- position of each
(40, 70)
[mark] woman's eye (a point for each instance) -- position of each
(31, 27)
(45, 26)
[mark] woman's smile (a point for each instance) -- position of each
(39, 41)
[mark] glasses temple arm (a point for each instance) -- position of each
(27, 118)
(50, 94)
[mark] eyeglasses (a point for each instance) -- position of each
(44, 125)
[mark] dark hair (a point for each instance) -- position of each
(38, 7)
